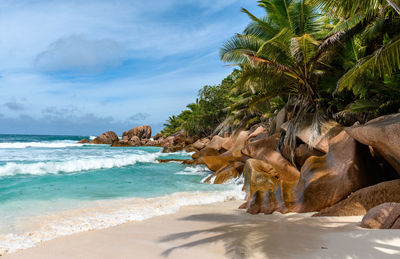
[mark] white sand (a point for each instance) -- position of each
(221, 231)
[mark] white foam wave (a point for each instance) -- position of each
(194, 170)
(92, 137)
(50, 144)
(110, 213)
(70, 166)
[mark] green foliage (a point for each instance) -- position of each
(319, 58)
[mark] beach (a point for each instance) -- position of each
(219, 230)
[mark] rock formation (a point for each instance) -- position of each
(383, 134)
(384, 216)
(359, 202)
(142, 132)
(108, 137)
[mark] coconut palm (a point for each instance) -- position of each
(286, 54)
(376, 66)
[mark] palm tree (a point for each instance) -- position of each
(375, 27)
(283, 53)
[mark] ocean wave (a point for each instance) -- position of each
(50, 144)
(71, 166)
(194, 170)
(111, 213)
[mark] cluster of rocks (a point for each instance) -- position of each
(139, 136)
(345, 172)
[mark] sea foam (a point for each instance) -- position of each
(77, 165)
(109, 213)
(50, 144)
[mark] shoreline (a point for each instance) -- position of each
(220, 230)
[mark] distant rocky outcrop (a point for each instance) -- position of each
(142, 132)
(108, 137)
(84, 141)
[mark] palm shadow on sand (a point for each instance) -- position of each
(283, 236)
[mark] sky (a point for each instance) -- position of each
(85, 67)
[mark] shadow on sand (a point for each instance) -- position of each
(288, 236)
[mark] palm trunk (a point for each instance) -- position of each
(394, 5)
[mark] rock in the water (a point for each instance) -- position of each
(226, 175)
(359, 202)
(84, 141)
(108, 137)
(215, 163)
(142, 132)
(384, 216)
(329, 179)
(383, 134)
(123, 143)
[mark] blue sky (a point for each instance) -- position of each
(85, 67)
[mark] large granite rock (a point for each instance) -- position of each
(201, 143)
(216, 143)
(303, 152)
(108, 137)
(329, 130)
(259, 176)
(226, 175)
(384, 216)
(361, 201)
(142, 132)
(383, 134)
(329, 179)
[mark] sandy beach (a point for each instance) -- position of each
(220, 230)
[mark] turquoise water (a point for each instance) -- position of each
(51, 186)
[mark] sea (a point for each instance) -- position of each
(51, 186)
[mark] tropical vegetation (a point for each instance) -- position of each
(318, 59)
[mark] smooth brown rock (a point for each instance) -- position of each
(361, 201)
(158, 136)
(329, 179)
(215, 163)
(108, 137)
(255, 205)
(383, 216)
(257, 148)
(259, 130)
(303, 152)
(84, 141)
(226, 175)
(180, 137)
(383, 134)
(239, 143)
(207, 151)
(142, 132)
(216, 143)
(123, 143)
(201, 143)
(227, 144)
(258, 175)
(329, 130)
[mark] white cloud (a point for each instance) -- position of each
(77, 53)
